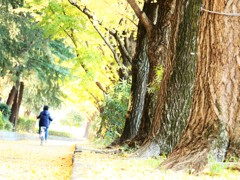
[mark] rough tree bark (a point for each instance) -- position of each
(167, 46)
(215, 111)
(175, 95)
(140, 73)
(140, 111)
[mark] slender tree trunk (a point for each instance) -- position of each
(19, 101)
(136, 103)
(148, 111)
(16, 104)
(142, 113)
(86, 134)
(215, 112)
(11, 96)
(14, 109)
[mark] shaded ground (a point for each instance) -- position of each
(22, 157)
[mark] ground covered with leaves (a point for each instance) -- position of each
(94, 164)
(26, 159)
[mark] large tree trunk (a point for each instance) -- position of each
(156, 56)
(139, 88)
(175, 95)
(140, 70)
(215, 111)
(171, 49)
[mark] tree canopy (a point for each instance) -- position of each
(61, 55)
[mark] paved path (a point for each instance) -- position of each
(22, 157)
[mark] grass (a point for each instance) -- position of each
(60, 133)
(57, 133)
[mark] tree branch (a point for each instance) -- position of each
(113, 33)
(125, 51)
(107, 43)
(142, 16)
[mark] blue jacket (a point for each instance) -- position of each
(45, 118)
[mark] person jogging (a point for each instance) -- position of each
(44, 123)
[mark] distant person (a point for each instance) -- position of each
(44, 123)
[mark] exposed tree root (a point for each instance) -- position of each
(193, 162)
(95, 150)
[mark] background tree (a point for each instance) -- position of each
(93, 71)
(116, 28)
(214, 118)
(96, 63)
(27, 53)
(122, 47)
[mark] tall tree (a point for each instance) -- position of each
(175, 94)
(120, 41)
(27, 52)
(214, 118)
(168, 50)
(140, 73)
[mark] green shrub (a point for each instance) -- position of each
(26, 124)
(8, 125)
(4, 123)
(115, 109)
(5, 109)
